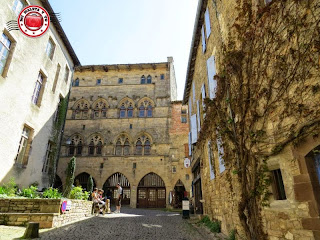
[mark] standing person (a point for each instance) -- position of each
(119, 197)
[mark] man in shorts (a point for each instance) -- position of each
(118, 199)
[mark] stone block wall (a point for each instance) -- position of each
(18, 212)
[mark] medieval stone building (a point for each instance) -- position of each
(254, 117)
(35, 76)
(124, 125)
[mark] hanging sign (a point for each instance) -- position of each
(186, 162)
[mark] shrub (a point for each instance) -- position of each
(77, 193)
(30, 192)
(52, 193)
(232, 235)
(214, 226)
(9, 189)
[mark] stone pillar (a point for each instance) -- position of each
(133, 197)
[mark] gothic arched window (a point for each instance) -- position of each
(81, 110)
(118, 148)
(126, 148)
(122, 111)
(91, 148)
(141, 111)
(139, 147)
(130, 111)
(149, 111)
(149, 79)
(143, 80)
(75, 147)
(147, 147)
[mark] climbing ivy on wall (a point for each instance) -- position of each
(56, 137)
(70, 177)
(267, 96)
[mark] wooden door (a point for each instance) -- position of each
(152, 198)
(142, 198)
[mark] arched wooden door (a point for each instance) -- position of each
(82, 180)
(110, 188)
(151, 192)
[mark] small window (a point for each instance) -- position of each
(149, 79)
(141, 111)
(187, 176)
(38, 90)
(162, 76)
(149, 111)
(183, 111)
(83, 127)
(98, 81)
(48, 159)
(5, 45)
(120, 80)
(277, 185)
(139, 148)
(91, 148)
(50, 48)
(23, 146)
(183, 119)
(56, 78)
(143, 80)
(130, 126)
(130, 112)
(174, 169)
(18, 6)
(66, 74)
(76, 82)
(147, 147)
(122, 111)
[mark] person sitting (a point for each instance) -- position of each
(101, 203)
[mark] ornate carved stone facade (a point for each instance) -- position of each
(123, 124)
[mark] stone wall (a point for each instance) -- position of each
(27, 58)
(18, 212)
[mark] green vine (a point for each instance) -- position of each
(70, 177)
(56, 136)
(266, 97)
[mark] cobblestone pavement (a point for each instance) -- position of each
(129, 224)
(137, 224)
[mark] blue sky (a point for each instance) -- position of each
(126, 31)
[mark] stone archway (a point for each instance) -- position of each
(151, 192)
(82, 180)
(179, 191)
(110, 188)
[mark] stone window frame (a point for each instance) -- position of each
(15, 5)
(50, 48)
(122, 145)
(77, 145)
(100, 108)
(56, 78)
(95, 145)
(76, 82)
(39, 89)
(146, 145)
(143, 80)
(13, 45)
(80, 109)
(66, 74)
(149, 79)
(126, 108)
(305, 188)
(27, 140)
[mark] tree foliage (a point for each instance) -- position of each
(70, 177)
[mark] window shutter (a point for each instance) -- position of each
(194, 134)
(190, 152)
(203, 39)
(211, 68)
(190, 107)
(207, 21)
(194, 92)
(203, 93)
(220, 154)
(199, 120)
(210, 158)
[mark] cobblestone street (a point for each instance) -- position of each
(129, 224)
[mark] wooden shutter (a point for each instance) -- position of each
(207, 22)
(199, 120)
(220, 153)
(210, 159)
(190, 150)
(194, 134)
(203, 39)
(212, 83)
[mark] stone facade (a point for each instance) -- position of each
(125, 120)
(18, 212)
(296, 216)
(27, 117)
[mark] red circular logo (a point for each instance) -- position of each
(33, 21)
